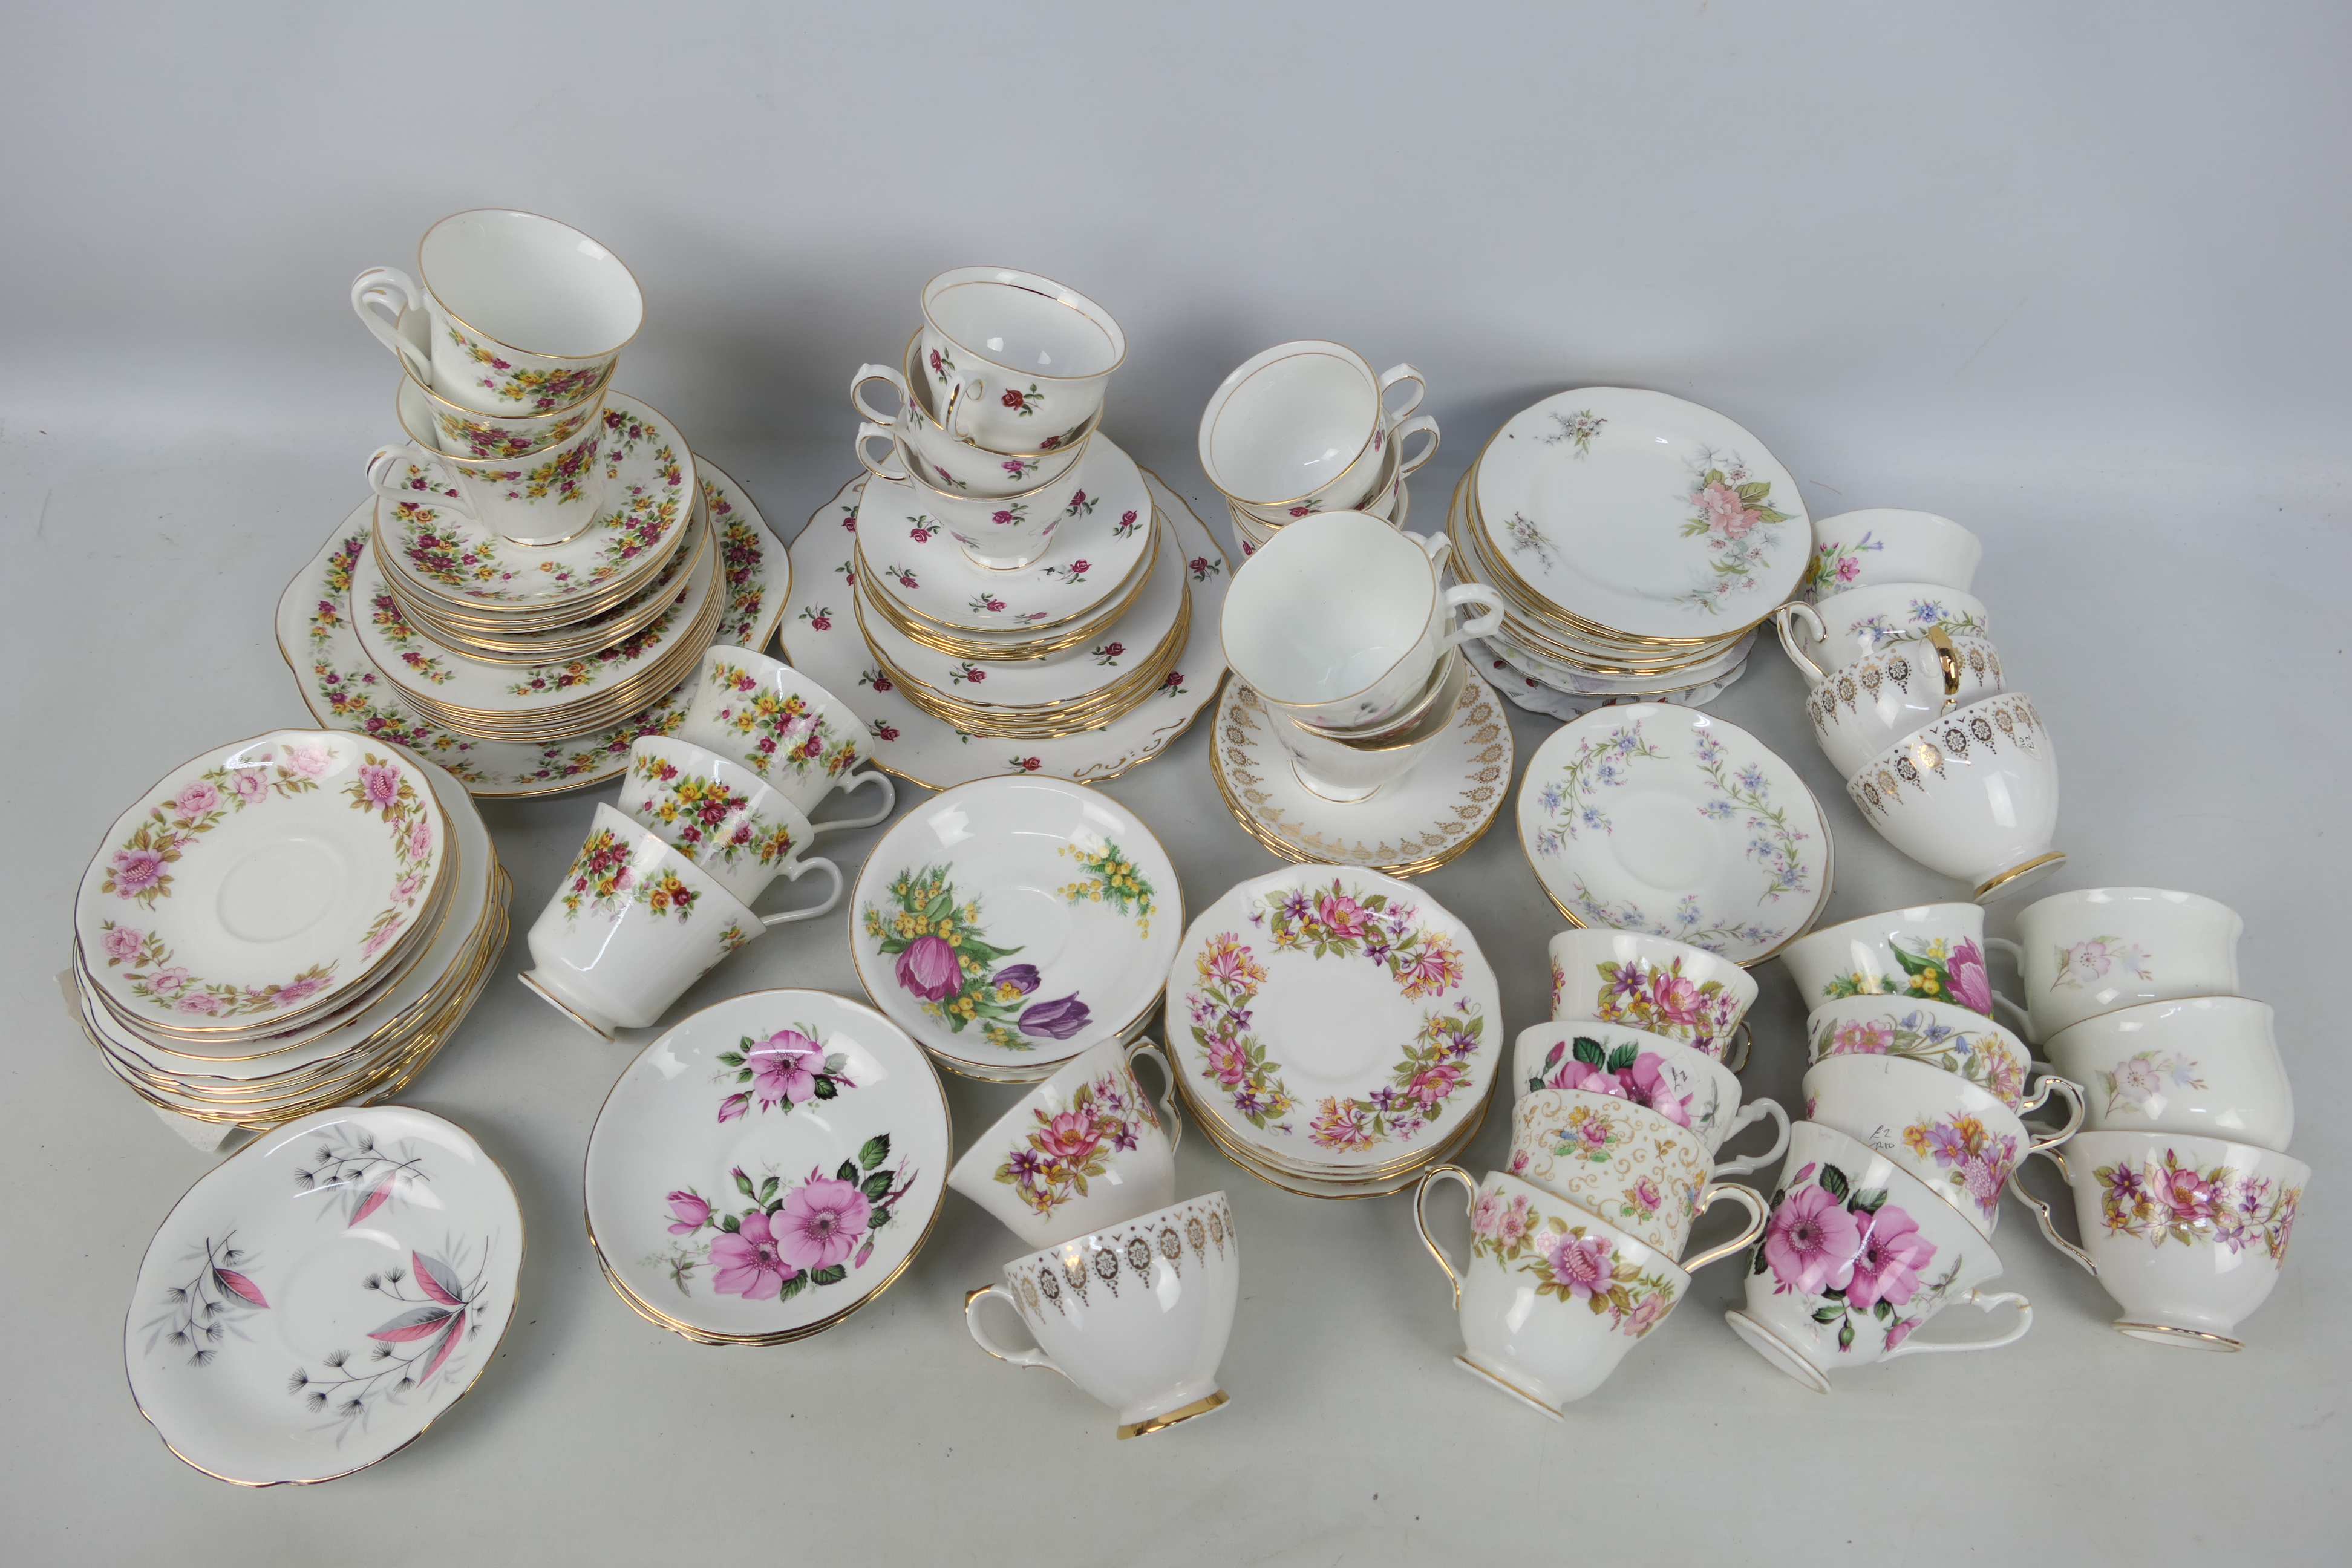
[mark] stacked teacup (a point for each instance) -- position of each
(1915, 1103)
(1128, 1294)
(2183, 1190)
(1308, 427)
(1624, 1102)
(1909, 700)
(708, 820)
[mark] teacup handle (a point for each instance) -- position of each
(1747, 1198)
(949, 410)
(1414, 426)
(793, 870)
(1746, 1042)
(379, 295)
(2024, 1019)
(380, 468)
(870, 431)
(1947, 662)
(850, 786)
(1984, 1301)
(1167, 1093)
(867, 373)
(1421, 1218)
(1392, 376)
(1479, 626)
(1814, 673)
(1747, 1162)
(971, 1300)
(2043, 1136)
(2042, 1216)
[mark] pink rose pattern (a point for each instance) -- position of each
(1572, 1263)
(2163, 1200)
(1734, 517)
(785, 1237)
(1664, 1001)
(1856, 1259)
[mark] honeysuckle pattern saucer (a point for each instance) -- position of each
(317, 634)
(767, 1165)
(1655, 818)
(1336, 1018)
(314, 1302)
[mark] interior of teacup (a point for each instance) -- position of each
(1326, 607)
(1290, 422)
(1021, 321)
(530, 283)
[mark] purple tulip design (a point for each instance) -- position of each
(1057, 1020)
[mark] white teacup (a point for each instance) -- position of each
(1626, 1162)
(722, 817)
(1013, 357)
(949, 464)
(634, 924)
(1887, 545)
(1339, 619)
(1136, 1314)
(1001, 532)
(1942, 1034)
(1080, 1152)
(784, 727)
(1352, 765)
(2187, 1234)
(1973, 795)
(2205, 1065)
(1394, 469)
(1861, 710)
(1858, 624)
(1686, 1087)
(1304, 425)
(544, 498)
(1858, 1256)
(1958, 1140)
(527, 315)
(1650, 983)
(1931, 951)
(2093, 950)
(1552, 1298)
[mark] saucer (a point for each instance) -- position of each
(1645, 817)
(1340, 1189)
(343, 690)
(317, 1300)
(1526, 692)
(767, 1166)
(1409, 826)
(1010, 923)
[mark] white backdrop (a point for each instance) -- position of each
(2072, 275)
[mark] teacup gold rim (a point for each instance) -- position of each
(919, 386)
(1302, 348)
(1102, 320)
(424, 278)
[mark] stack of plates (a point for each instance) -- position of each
(292, 922)
(1636, 542)
(1335, 1032)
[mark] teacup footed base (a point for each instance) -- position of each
(2180, 1338)
(2024, 874)
(1217, 1400)
(1487, 1374)
(1777, 1351)
(603, 1031)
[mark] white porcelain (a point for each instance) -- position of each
(464, 432)
(1081, 1152)
(1959, 1141)
(1650, 817)
(1667, 988)
(783, 726)
(2201, 1065)
(1003, 532)
(1888, 544)
(1341, 619)
(2187, 1234)
(1628, 1162)
(1857, 624)
(1858, 1256)
(949, 464)
(1973, 795)
(1688, 1088)
(632, 923)
(766, 1166)
(2097, 949)
(723, 816)
(1347, 770)
(1942, 1034)
(1861, 710)
(1502, 670)
(324, 1295)
(1551, 1298)
(1381, 496)
(1931, 951)
(1135, 1314)
(1013, 355)
(1305, 424)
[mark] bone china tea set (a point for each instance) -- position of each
(546, 588)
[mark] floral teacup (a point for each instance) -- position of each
(1081, 1152)
(1942, 1034)
(1861, 710)
(1623, 1161)
(1650, 983)
(1887, 545)
(544, 498)
(786, 728)
(721, 815)
(959, 466)
(1857, 624)
(2098, 949)
(1012, 355)
(1931, 951)
(1688, 1087)
(1002, 532)
(2205, 1065)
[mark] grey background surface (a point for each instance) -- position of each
(2072, 275)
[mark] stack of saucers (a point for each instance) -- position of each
(285, 923)
(1335, 1032)
(1636, 541)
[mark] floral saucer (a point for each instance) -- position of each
(821, 636)
(343, 690)
(767, 1166)
(1333, 1017)
(1009, 924)
(1344, 1188)
(1413, 824)
(313, 1303)
(1643, 816)
(1642, 513)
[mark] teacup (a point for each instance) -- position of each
(1858, 624)
(464, 432)
(1973, 795)
(1930, 950)
(1352, 765)
(493, 281)
(1303, 425)
(1394, 469)
(1859, 711)
(1961, 1141)
(1339, 619)
(2205, 1065)
(1625, 1162)
(1887, 545)
(1683, 1084)
(1942, 1034)
(544, 498)
(1001, 532)
(1650, 983)
(2187, 1234)
(1135, 1314)
(1552, 1298)
(1013, 357)
(1858, 1256)
(721, 815)
(633, 924)
(1080, 1152)
(2091, 952)
(786, 728)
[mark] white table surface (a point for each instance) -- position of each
(2073, 277)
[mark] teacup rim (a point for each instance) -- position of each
(1928, 1200)
(2114, 1015)
(2157, 1135)
(1048, 1254)
(2082, 894)
(1084, 304)
(710, 762)
(1706, 1155)
(1879, 915)
(987, 1136)
(1668, 1044)
(1912, 512)
(1907, 584)
(1966, 1090)
(922, 401)
(1623, 1238)
(1684, 948)
(1893, 998)
(671, 852)
(800, 677)
(1231, 383)
(424, 278)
